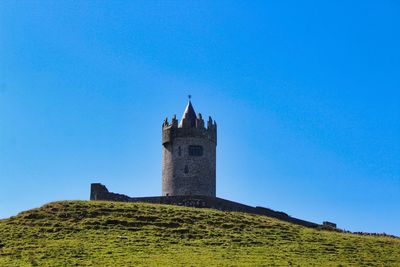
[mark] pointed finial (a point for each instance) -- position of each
(190, 97)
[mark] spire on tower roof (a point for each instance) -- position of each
(189, 116)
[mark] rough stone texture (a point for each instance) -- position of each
(100, 192)
(329, 224)
(183, 174)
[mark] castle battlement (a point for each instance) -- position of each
(185, 128)
(170, 132)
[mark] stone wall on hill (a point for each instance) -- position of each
(100, 192)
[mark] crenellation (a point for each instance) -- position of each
(199, 121)
(165, 123)
(210, 123)
(174, 122)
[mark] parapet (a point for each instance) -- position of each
(173, 130)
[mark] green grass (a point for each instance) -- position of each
(83, 233)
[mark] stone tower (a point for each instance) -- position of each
(189, 155)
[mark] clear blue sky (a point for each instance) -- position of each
(306, 97)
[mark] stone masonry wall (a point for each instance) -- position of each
(188, 175)
(100, 192)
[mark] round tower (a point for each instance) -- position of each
(189, 155)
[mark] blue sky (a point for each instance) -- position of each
(306, 97)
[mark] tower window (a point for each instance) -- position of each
(186, 169)
(196, 151)
(179, 151)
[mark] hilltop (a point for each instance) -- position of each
(83, 233)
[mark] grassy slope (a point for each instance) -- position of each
(84, 233)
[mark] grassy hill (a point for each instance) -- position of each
(83, 233)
